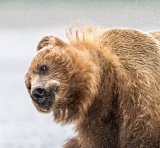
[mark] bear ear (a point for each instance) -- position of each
(50, 41)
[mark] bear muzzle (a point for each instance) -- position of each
(41, 95)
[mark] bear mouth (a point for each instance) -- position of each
(46, 105)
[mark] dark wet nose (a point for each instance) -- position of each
(38, 94)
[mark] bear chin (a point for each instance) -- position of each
(42, 109)
(45, 107)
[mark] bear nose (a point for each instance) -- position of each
(38, 94)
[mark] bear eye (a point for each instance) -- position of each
(43, 68)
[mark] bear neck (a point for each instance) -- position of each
(96, 130)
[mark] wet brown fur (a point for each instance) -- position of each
(156, 35)
(110, 86)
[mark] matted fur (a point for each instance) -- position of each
(109, 85)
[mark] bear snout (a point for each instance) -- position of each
(52, 85)
(39, 94)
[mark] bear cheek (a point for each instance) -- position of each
(27, 83)
(52, 86)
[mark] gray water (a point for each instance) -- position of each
(54, 13)
(22, 24)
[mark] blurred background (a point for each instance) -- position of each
(22, 24)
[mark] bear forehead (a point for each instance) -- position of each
(48, 56)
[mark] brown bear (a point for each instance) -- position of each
(106, 82)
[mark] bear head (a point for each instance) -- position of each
(62, 79)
